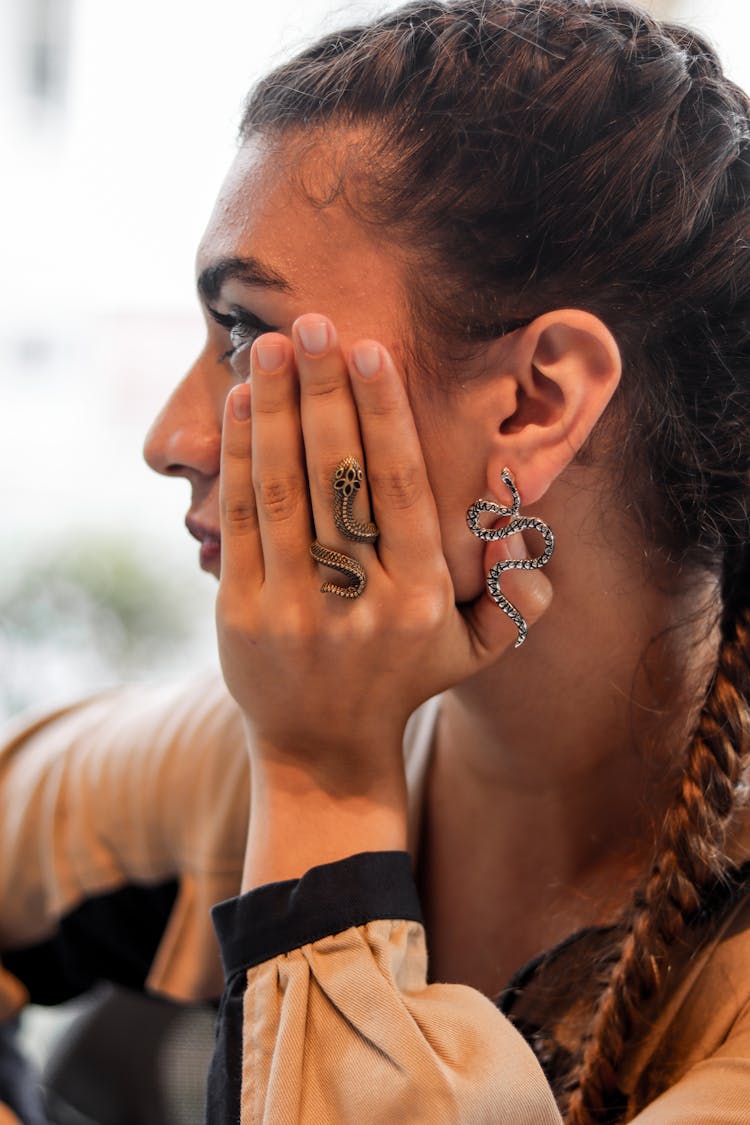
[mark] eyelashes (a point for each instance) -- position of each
(243, 327)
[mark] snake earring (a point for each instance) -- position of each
(516, 523)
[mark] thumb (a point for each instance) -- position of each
(523, 596)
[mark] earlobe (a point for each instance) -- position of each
(567, 366)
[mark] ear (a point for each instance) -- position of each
(566, 366)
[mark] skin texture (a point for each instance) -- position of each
(559, 755)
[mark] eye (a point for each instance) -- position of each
(243, 328)
(241, 335)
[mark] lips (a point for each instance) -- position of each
(210, 541)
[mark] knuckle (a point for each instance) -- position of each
(323, 385)
(436, 607)
(383, 403)
(235, 446)
(231, 626)
(278, 497)
(239, 514)
(398, 485)
(293, 627)
(273, 400)
(232, 617)
(428, 610)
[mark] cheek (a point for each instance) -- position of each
(456, 483)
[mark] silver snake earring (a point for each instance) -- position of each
(515, 524)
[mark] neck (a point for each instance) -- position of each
(572, 744)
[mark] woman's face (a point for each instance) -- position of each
(268, 256)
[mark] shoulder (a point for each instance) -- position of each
(707, 1014)
(141, 766)
(162, 765)
(128, 721)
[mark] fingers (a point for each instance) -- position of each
(360, 408)
(241, 555)
(299, 388)
(278, 469)
(264, 508)
(330, 425)
(312, 408)
(402, 500)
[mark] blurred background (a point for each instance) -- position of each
(117, 122)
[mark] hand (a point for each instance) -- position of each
(320, 678)
(326, 684)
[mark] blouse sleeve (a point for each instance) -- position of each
(327, 1017)
(123, 819)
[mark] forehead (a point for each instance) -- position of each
(281, 204)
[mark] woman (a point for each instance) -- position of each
(524, 226)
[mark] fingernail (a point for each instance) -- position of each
(366, 359)
(270, 356)
(241, 402)
(516, 546)
(314, 336)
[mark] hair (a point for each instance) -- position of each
(542, 153)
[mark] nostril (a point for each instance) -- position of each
(183, 451)
(166, 448)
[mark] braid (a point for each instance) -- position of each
(690, 861)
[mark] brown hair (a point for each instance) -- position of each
(539, 153)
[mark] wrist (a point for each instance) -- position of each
(299, 820)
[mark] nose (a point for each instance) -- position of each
(184, 439)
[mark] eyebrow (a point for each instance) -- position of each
(250, 271)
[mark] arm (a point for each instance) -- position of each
(122, 820)
(327, 1015)
(326, 684)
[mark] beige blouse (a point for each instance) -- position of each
(141, 786)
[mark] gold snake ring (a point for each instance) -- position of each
(347, 481)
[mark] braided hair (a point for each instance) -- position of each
(525, 155)
(689, 862)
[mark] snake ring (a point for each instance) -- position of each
(347, 481)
